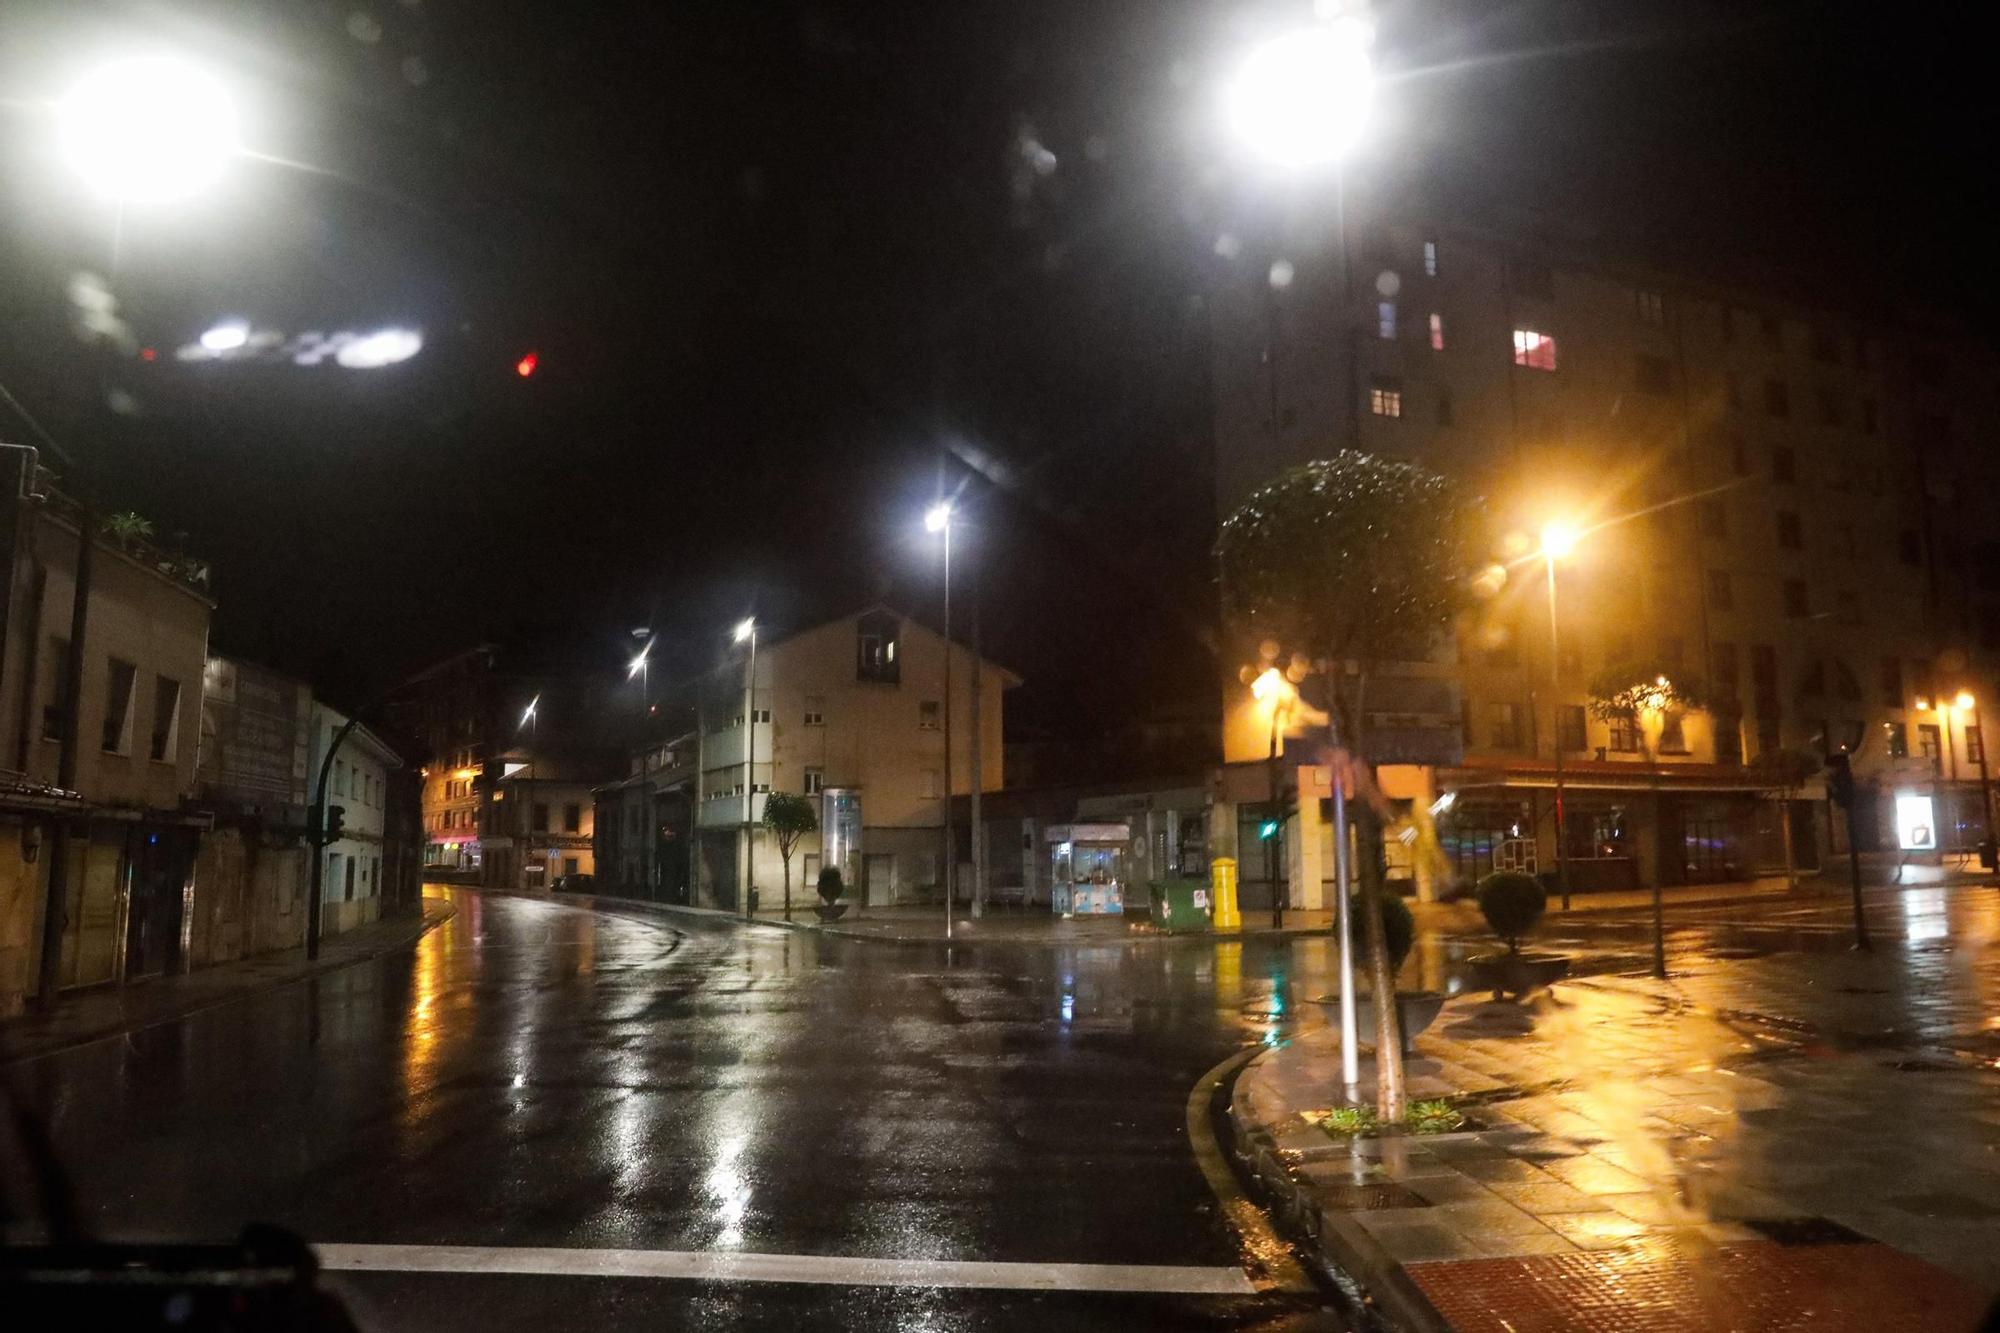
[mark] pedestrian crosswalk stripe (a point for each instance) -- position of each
(744, 1266)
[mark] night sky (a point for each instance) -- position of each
(792, 268)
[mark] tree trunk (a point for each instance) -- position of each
(1785, 827)
(1388, 1034)
(785, 855)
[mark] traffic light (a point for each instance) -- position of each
(1268, 830)
(1840, 780)
(336, 817)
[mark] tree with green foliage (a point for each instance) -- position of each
(1355, 559)
(788, 817)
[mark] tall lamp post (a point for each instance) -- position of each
(938, 519)
(1967, 703)
(1274, 692)
(746, 632)
(1558, 540)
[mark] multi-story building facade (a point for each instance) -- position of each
(354, 887)
(1780, 501)
(491, 714)
(851, 714)
(643, 825)
(137, 717)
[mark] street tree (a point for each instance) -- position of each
(788, 817)
(1784, 774)
(1648, 697)
(1361, 560)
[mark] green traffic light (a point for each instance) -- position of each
(1269, 829)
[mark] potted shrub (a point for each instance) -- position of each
(831, 888)
(1415, 1010)
(1512, 904)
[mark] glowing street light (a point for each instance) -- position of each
(150, 129)
(938, 517)
(638, 664)
(746, 632)
(1559, 541)
(1303, 98)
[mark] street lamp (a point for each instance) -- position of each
(1558, 541)
(1274, 692)
(938, 519)
(746, 632)
(1302, 99)
(147, 130)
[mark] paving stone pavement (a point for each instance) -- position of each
(1748, 1121)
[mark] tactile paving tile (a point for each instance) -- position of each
(1672, 1286)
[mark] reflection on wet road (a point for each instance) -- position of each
(535, 1075)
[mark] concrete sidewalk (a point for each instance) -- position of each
(1748, 1145)
(110, 1011)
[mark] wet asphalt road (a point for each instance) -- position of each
(533, 1074)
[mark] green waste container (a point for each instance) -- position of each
(1181, 904)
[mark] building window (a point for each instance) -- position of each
(1673, 733)
(1385, 319)
(929, 715)
(1784, 465)
(1533, 280)
(1385, 397)
(1930, 743)
(1722, 669)
(1796, 605)
(1777, 398)
(1714, 518)
(1506, 725)
(572, 819)
(57, 708)
(539, 820)
(1624, 735)
(1430, 259)
(1896, 737)
(875, 637)
(1570, 733)
(166, 719)
(815, 781)
(1767, 733)
(1975, 746)
(1791, 534)
(1651, 308)
(929, 780)
(1890, 680)
(1652, 374)
(1773, 332)
(1909, 547)
(1437, 332)
(1721, 595)
(122, 678)
(1536, 351)
(815, 710)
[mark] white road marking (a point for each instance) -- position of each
(829, 1270)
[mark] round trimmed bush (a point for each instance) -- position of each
(831, 886)
(1511, 903)
(1399, 928)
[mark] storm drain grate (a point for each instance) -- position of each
(1347, 1197)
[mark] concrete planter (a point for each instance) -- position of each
(1415, 1011)
(830, 911)
(1518, 974)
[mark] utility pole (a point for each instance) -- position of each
(978, 825)
(320, 836)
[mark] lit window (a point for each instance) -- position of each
(1430, 259)
(815, 781)
(1536, 351)
(1437, 332)
(1385, 398)
(1385, 319)
(815, 710)
(1651, 307)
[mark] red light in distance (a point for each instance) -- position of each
(526, 365)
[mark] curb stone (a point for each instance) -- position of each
(1338, 1239)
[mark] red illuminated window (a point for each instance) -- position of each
(1536, 351)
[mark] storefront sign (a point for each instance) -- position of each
(1916, 823)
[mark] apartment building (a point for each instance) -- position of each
(850, 713)
(354, 886)
(643, 825)
(132, 842)
(1782, 501)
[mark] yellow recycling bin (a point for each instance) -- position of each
(1222, 877)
